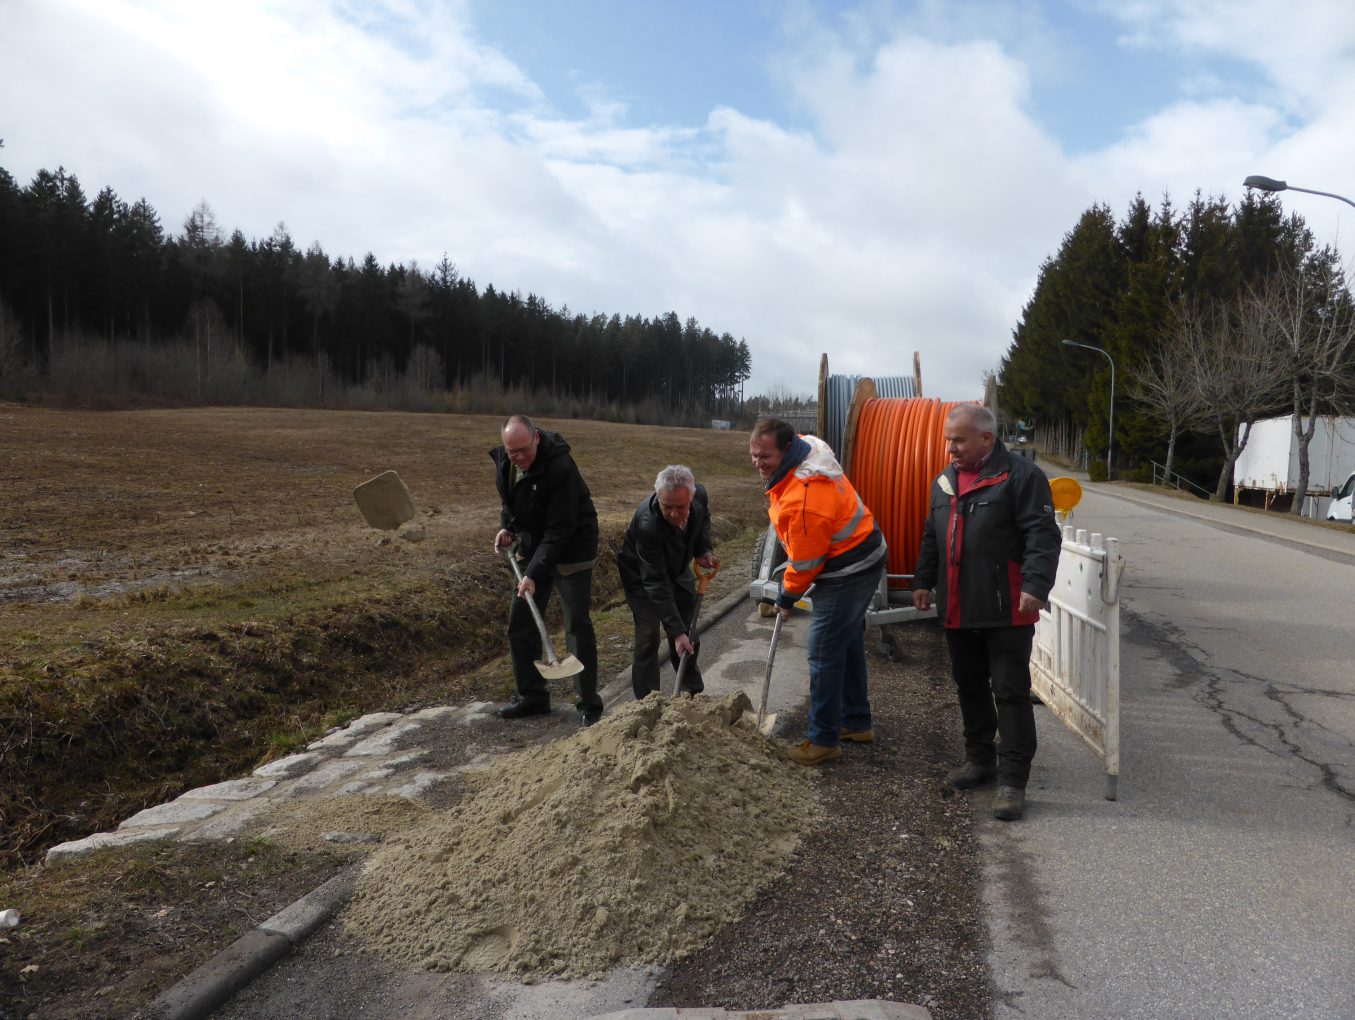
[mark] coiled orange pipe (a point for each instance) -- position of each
(899, 448)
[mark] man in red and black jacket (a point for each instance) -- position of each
(990, 549)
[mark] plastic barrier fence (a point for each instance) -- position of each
(1075, 661)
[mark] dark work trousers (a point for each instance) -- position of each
(524, 640)
(991, 667)
(644, 670)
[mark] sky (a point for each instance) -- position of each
(862, 179)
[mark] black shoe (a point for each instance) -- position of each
(1009, 804)
(519, 709)
(589, 717)
(970, 775)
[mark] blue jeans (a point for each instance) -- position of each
(837, 656)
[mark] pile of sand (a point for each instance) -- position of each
(629, 842)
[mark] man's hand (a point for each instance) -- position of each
(527, 588)
(706, 560)
(782, 611)
(1030, 604)
(922, 598)
(682, 644)
(503, 539)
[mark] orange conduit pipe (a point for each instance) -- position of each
(899, 448)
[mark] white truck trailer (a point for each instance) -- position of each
(1269, 466)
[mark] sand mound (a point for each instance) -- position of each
(350, 824)
(629, 842)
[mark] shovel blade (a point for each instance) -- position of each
(561, 668)
(768, 721)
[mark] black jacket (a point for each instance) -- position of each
(550, 510)
(982, 549)
(654, 556)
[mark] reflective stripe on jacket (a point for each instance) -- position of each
(826, 529)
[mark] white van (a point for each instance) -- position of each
(1342, 500)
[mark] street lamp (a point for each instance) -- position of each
(1110, 438)
(1271, 184)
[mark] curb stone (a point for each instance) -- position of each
(857, 1009)
(217, 980)
(209, 986)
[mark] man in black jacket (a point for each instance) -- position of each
(990, 548)
(548, 511)
(669, 530)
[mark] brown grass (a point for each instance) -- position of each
(184, 593)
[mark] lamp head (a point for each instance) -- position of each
(1265, 183)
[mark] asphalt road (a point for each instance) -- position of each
(1219, 884)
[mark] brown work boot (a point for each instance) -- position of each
(806, 753)
(856, 736)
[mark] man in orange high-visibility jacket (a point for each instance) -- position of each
(832, 543)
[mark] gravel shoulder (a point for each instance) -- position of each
(884, 900)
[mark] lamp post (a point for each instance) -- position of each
(1110, 437)
(1271, 184)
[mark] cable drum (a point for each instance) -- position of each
(898, 448)
(836, 397)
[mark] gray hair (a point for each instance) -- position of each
(976, 415)
(675, 476)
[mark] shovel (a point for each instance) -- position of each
(767, 679)
(552, 667)
(702, 580)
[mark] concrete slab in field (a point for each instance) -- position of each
(354, 731)
(292, 765)
(100, 840)
(384, 501)
(176, 812)
(326, 775)
(232, 789)
(383, 742)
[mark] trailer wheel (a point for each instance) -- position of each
(768, 551)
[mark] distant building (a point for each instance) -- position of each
(804, 421)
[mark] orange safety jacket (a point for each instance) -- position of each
(827, 531)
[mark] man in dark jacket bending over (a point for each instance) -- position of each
(990, 548)
(548, 511)
(669, 530)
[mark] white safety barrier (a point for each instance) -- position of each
(1075, 661)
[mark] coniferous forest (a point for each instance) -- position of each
(1213, 316)
(103, 304)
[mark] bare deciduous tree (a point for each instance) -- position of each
(1236, 370)
(1165, 384)
(1307, 312)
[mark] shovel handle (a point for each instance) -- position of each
(546, 645)
(771, 658)
(703, 578)
(767, 678)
